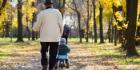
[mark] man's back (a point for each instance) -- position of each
(50, 16)
(50, 25)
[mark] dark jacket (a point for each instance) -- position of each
(66, 31)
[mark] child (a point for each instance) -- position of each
(63, 51)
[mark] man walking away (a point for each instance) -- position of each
(49, 24)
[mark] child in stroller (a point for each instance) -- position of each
(62, 56)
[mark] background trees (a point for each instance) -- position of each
(104, 20)
(114, 16)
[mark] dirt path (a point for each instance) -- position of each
(80, 59)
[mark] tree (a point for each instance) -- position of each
(28, 11)
(109, 30)
(78, 12)
(131, 16)
(33, 21)
(20, 25)
(87, 24)
(101, 24)
(94, 19)
(138, 27)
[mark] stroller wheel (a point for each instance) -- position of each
(62, 64)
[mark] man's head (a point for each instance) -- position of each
(48, 3)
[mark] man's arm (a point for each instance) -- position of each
(38, 23)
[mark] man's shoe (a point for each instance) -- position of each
(44, 68)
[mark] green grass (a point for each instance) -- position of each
(11, 49)
(4, 54)
(9, 40)
(102, 51)
(112, 53)
(77, 40)
(109, 51)
(74, 40)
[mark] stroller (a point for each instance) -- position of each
(62, 56)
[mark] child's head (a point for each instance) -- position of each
(62, 41)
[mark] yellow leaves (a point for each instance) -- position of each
(91, 24)
(14, 23)
(123, 3)
(125, 26)
(114, 23)
(119, 28)
(106, 3)
(0, 2)
(119, 16)
(28, 11)
(34, 9)
(4, 13)
(116, 3)
(138, 22)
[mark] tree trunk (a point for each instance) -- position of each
(33, 20)
(87, 25)
(138, 28)
(138, 36)
(112, 34)
(109, 30)
(138, 31)
(79, 26)
(131, 14)
(94, 21)
(20, 26)
(115, 35)
(28, 29)
(101, 24)
(29, 33)
(3, 29)
(7, 29)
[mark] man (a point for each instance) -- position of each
(49, 24)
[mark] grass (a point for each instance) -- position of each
(12, 49)
(103, 52)
(4, 54)
(77, 40)
(110, 52)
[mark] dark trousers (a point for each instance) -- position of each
(52, 48)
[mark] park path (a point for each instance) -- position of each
(80, 59)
